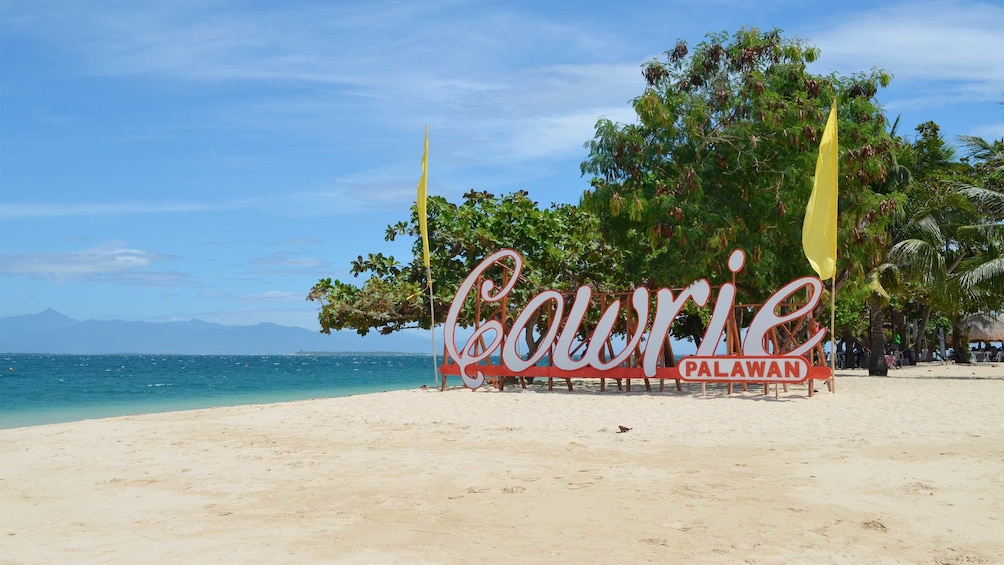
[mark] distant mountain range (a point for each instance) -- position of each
(52, 332)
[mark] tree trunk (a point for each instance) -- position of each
(960, 342)
(876, 338)
(922, 335)
(849, 341)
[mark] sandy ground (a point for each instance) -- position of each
(903, 469)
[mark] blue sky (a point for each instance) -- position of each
(213, 159)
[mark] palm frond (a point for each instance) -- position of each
(920, 257)
(987, 200)
(991, 153)
(991, 234)
(989, 273)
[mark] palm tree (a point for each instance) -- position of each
(988, 195)
(952, 237)
(881, 280)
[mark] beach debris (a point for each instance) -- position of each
(514, 490)
(623, 429)
(874, 525)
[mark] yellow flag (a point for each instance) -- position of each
(819, 231)
(423, 224)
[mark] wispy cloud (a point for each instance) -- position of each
(347, 44)
(298, 242)
(563, 135)
(47, 210)
(946, 46)
(110, 262)
(276, 262)
(151, 278)
(990, 131)
(274, 296)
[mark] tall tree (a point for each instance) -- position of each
(722, 157)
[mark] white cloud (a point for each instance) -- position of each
(350, 195)
(336, 43)
(275, 296)
(284, 261)
(150, 278)
(108, 259)
(562, 135)
(953, 46)
(990, 131)
(46, 210)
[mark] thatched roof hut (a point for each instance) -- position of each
(985, 327)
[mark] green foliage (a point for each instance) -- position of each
(722, 157)
(951, 237)
(561, 247)
(937, 323)
(850, 312)
(950, 240)
(388, 303)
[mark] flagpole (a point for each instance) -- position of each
(833, 335)
(432, 328)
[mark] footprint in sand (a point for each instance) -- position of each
(655, 541)
(919, 487)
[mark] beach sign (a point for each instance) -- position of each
(493, 350)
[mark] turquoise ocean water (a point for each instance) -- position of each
(43, 389)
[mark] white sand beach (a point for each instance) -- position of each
(907, 468)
